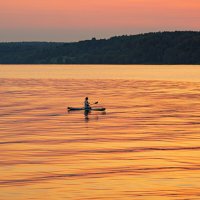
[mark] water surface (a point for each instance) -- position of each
(145, 146)
(130, 72)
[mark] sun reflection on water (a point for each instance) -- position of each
(145, 146)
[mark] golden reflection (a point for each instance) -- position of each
(146, 146)
(136, 72)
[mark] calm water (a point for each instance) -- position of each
(145, 146)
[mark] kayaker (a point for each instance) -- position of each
(87, 104)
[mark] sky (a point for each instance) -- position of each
(74, 20)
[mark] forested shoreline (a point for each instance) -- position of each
(180, 47)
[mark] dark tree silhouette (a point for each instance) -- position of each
(180, 47)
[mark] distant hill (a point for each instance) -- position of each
(180, 47)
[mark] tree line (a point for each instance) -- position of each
(179, 47)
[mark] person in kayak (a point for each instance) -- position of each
(87, 104)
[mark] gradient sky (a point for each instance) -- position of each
(73, 20)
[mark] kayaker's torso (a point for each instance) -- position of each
(87, 104)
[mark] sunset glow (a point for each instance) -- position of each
(61, 20)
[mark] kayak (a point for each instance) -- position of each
(94, 109)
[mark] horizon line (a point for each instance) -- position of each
(142, 33)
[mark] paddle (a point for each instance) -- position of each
(95, 103)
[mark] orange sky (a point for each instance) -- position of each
(71, 20)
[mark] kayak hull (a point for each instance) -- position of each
(92, 109)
